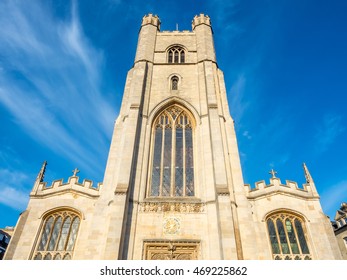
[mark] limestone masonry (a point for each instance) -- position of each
(173, 186)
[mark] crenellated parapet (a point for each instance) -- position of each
(174, 32)
(151, 19)
(201, 19)
(86, 188)
(291, 188)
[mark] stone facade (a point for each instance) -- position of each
(340, 229)
(216, 217)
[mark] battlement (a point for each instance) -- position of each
(151, 19)
(308, 189)
(201, 19)
(173, 32)
(73, 185)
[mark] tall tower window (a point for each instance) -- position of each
(172, 163)
(176, 55)
(287, 237)
(174, 83)
(58, 236)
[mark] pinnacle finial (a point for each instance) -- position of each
(309, 180)
(75, 171)
(273, 173)
(307, 174)
(41, 174)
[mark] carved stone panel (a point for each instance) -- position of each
(171, 250)
(171, 225)
(150, 207)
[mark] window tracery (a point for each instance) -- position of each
(176, 55)
(287, 237)
(172, 154)
(58, 236)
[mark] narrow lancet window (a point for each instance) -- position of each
(170, 57)
(182, 57)
(174, 83)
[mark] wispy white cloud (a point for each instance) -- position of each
(247, 134)
(238, 103)
(12, 192)
(327, 131)
(14, 198)
(223, 12)
(51, 82)
(13, 178)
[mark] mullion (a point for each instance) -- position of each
(162, 161)
(184, 160)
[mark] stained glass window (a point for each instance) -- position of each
(287, 237)
(172, 156)
(273, 237)
(58, 236)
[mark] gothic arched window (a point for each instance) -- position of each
(172, 157)
(58, 236)
(176, 55)
(287, 237)
(174, 83)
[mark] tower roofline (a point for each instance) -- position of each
(201, 19)
(152, 20)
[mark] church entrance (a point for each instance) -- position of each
(171, 250)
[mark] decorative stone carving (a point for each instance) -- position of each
(171, 225)
(179, 207)
(166, 250)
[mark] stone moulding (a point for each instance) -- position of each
(58, 187)
(290, 188)
(150, 207)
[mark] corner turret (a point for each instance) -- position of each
(201, 26)
(147, 38)
(151, 19)
(201, 19)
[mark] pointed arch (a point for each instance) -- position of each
(62, 208)
(174, 83)
(58, 233)
(171, 101)
(287, 235)
(176, 54)
(172, 153)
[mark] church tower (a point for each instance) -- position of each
(173, 186)
(173, 175)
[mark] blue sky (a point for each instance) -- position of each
(63, 66)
